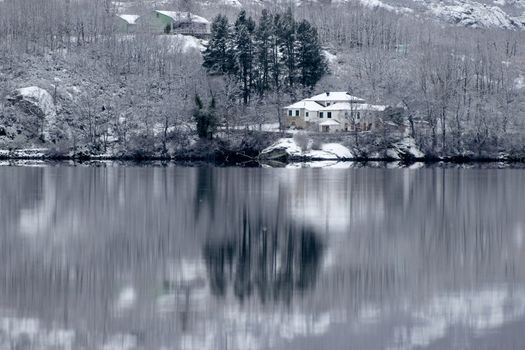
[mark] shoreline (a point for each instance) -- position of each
(245, 161)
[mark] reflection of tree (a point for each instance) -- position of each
(273, 263)
(206, 191)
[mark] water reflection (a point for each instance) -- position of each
(209, 258)
(273, 264)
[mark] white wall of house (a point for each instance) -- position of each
(327, 127)
(310, 116)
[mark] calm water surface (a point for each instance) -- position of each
(235, 258)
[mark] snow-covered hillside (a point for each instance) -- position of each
(506, 14)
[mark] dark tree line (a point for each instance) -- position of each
(276, 54)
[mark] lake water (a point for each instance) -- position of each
(125, 257)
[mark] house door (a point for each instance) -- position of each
(325, 128)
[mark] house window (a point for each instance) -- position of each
(307, 114)
(320, 114)
(329, 115)
(358, 115)
(297, 113)
(327, 104)
(290, 113)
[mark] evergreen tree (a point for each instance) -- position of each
(244, 29)
(275, 55)
(218, 57)
(286, 33)
(275, 60)
(263, 42)
(206, 120)
(310, 61)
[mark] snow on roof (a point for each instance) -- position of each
(181, 16)
(329, 123)
(343, 106)
(340, 106)
(131, 19)
(335, 96)
(369, 107)
(306, 104)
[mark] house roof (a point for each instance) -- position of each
(369, 107)
(335, 96)
(330, 123)
(306, 104)
(344, 106)
(131, 19)
(181, 16)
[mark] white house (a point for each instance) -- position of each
(332, 112)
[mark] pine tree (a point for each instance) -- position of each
(218, 57)
(275, 55)
(263, 42)
(286, 32)
(275, 60)
(311, 64)
(206, 120)
(244, 29)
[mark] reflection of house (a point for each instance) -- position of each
(334, 111)
(174, 22)
(126, 23)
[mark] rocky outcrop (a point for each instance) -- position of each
(404, 149)
(287, 149)
(37, 103)
(474, 14)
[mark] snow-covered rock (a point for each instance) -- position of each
(283, 148)
(339, 150)
(37, 102)
(287, 148)
(474, 14)
(405, 149)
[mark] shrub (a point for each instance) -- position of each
(302, 140)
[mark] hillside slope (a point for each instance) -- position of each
(505, 14)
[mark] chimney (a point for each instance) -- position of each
(328, 93)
